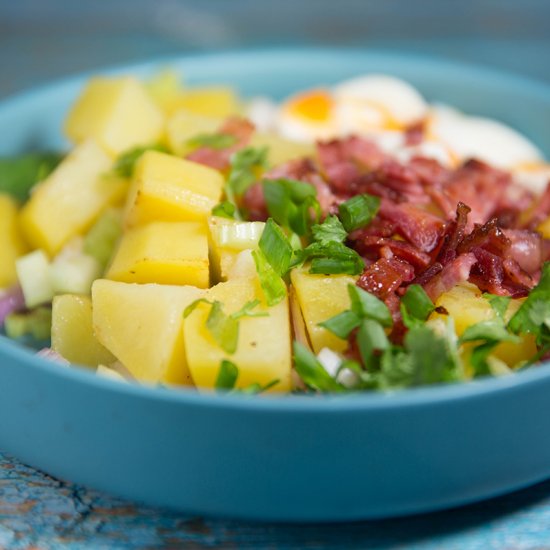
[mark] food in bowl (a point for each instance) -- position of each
(349, 238)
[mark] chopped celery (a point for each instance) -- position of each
(73, 273)
(36, 323)
(33, 272)
(103, 236)
(235, 235)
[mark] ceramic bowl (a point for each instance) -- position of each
(292, 458)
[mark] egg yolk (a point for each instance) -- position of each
(315, 106)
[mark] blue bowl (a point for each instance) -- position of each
(292, 458)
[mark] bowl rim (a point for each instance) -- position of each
(281, 403)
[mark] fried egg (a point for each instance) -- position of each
(481, 138)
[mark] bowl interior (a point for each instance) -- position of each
(33, 120)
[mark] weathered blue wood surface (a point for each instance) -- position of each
(39, 512)
(41, 40)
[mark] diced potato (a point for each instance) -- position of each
(11, 243)
(163, 252)
(72, 332)
(71, 198)
(227, 239)
(212, 101)
(163, 87)
(142, 326)
(117, 112)
(280, 149)
(321, 297)
(184, 125)
(168, 188)
(467, 306)
(264, 344)
(544, 228)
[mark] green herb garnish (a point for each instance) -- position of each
(273, 286)
(214, 141)
(312, 372)
(358, 211)
(19, 174)
(290, 203)
(331, 230)
(225, 328)
(125, 164)
(276, 247)
(416, 305)
(224, 209)
(227, 376)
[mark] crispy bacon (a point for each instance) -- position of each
(417, 226)
(385, 276)
(371, 245)
(436, 226)
(456, 271)
(526, 248)
(240, 128)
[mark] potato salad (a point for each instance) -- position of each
(347, 238)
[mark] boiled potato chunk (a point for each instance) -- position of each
(321, 297)
(264, 345)
(73, 334)
(142, 326)
(11, 242)
(117, 112)
(213, 101)
(184, 125)
(163, 252)
(169, 188)
(71, 198)
(467, 306)
(281, 150)
(227, 238)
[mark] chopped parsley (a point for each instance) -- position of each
(214, 141)
(125, 164)
(19, 174)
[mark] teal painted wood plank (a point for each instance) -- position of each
(40, 512)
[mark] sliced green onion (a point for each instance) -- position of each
(342, 324)
(273, 286)
(224, 328)
(289, 203)
(276, 247)
(358, 211)
(227, 375)
(312, 372)
(368, 306)
(492, 330)
(225, 210)
(371, 338)
(246, 311)
(417, 302)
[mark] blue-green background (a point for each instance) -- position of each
(43, 39)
